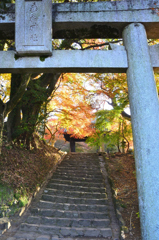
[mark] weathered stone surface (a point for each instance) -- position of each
(71, 187)
(79, 175)
(92, 233)
(70, 200)
(74, 167)
(76, 207)
(144, 107)
(92, 195)
(33, 220)
(77, 183)
(93, 20)
(11, 238)
(66, 61)
(73, 178)
(43, 237)
(55, 238)
(154, 54)
(69, 232)
(33, 27)
(73, 61)
(71, 214)
(26, 235)
(87, 172)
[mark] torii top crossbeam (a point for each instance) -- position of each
(75, 20)
(93, 20)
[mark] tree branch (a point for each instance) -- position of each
(53, 83)
(61, 77)
(125, 115)
(100, 45)
(52, 134)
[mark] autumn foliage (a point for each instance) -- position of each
(77, 108)
(71, 109)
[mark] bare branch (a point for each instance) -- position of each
(52, 83)
(125, 115)
(52, 134)
(100, 45)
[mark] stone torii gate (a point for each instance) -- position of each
(135, 21)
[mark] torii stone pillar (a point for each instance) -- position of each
(144, 107)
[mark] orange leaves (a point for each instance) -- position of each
(77, 98)
(93, 43)
(72, 111)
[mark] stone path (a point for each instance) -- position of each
(74, 205)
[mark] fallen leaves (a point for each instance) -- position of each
(121, 171)
(23, 169)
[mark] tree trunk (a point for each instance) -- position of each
(72, 145)
(29, 122)
(118, 139)
(13, 122)
(38, 91)
(2, 110)
(14, 115)
(6, 108)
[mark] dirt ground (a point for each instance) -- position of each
(23, 171)
(121, 171)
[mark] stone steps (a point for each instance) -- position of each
(63, 199)
(75, 178)
(80, 164)
(82, 171)
(78, 193)
(94, 170)
(72, 187)
(79, 175)
(67, 231)
(68, 214)
(76, 183)
(21, 235)
(73, 205)
(69, 222)
(79, 168)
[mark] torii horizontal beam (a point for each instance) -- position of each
(92, 20)
(100, 61)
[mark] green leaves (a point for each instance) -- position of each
(3, 4)
(105, 118)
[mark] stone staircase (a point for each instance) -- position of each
(73, 205)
